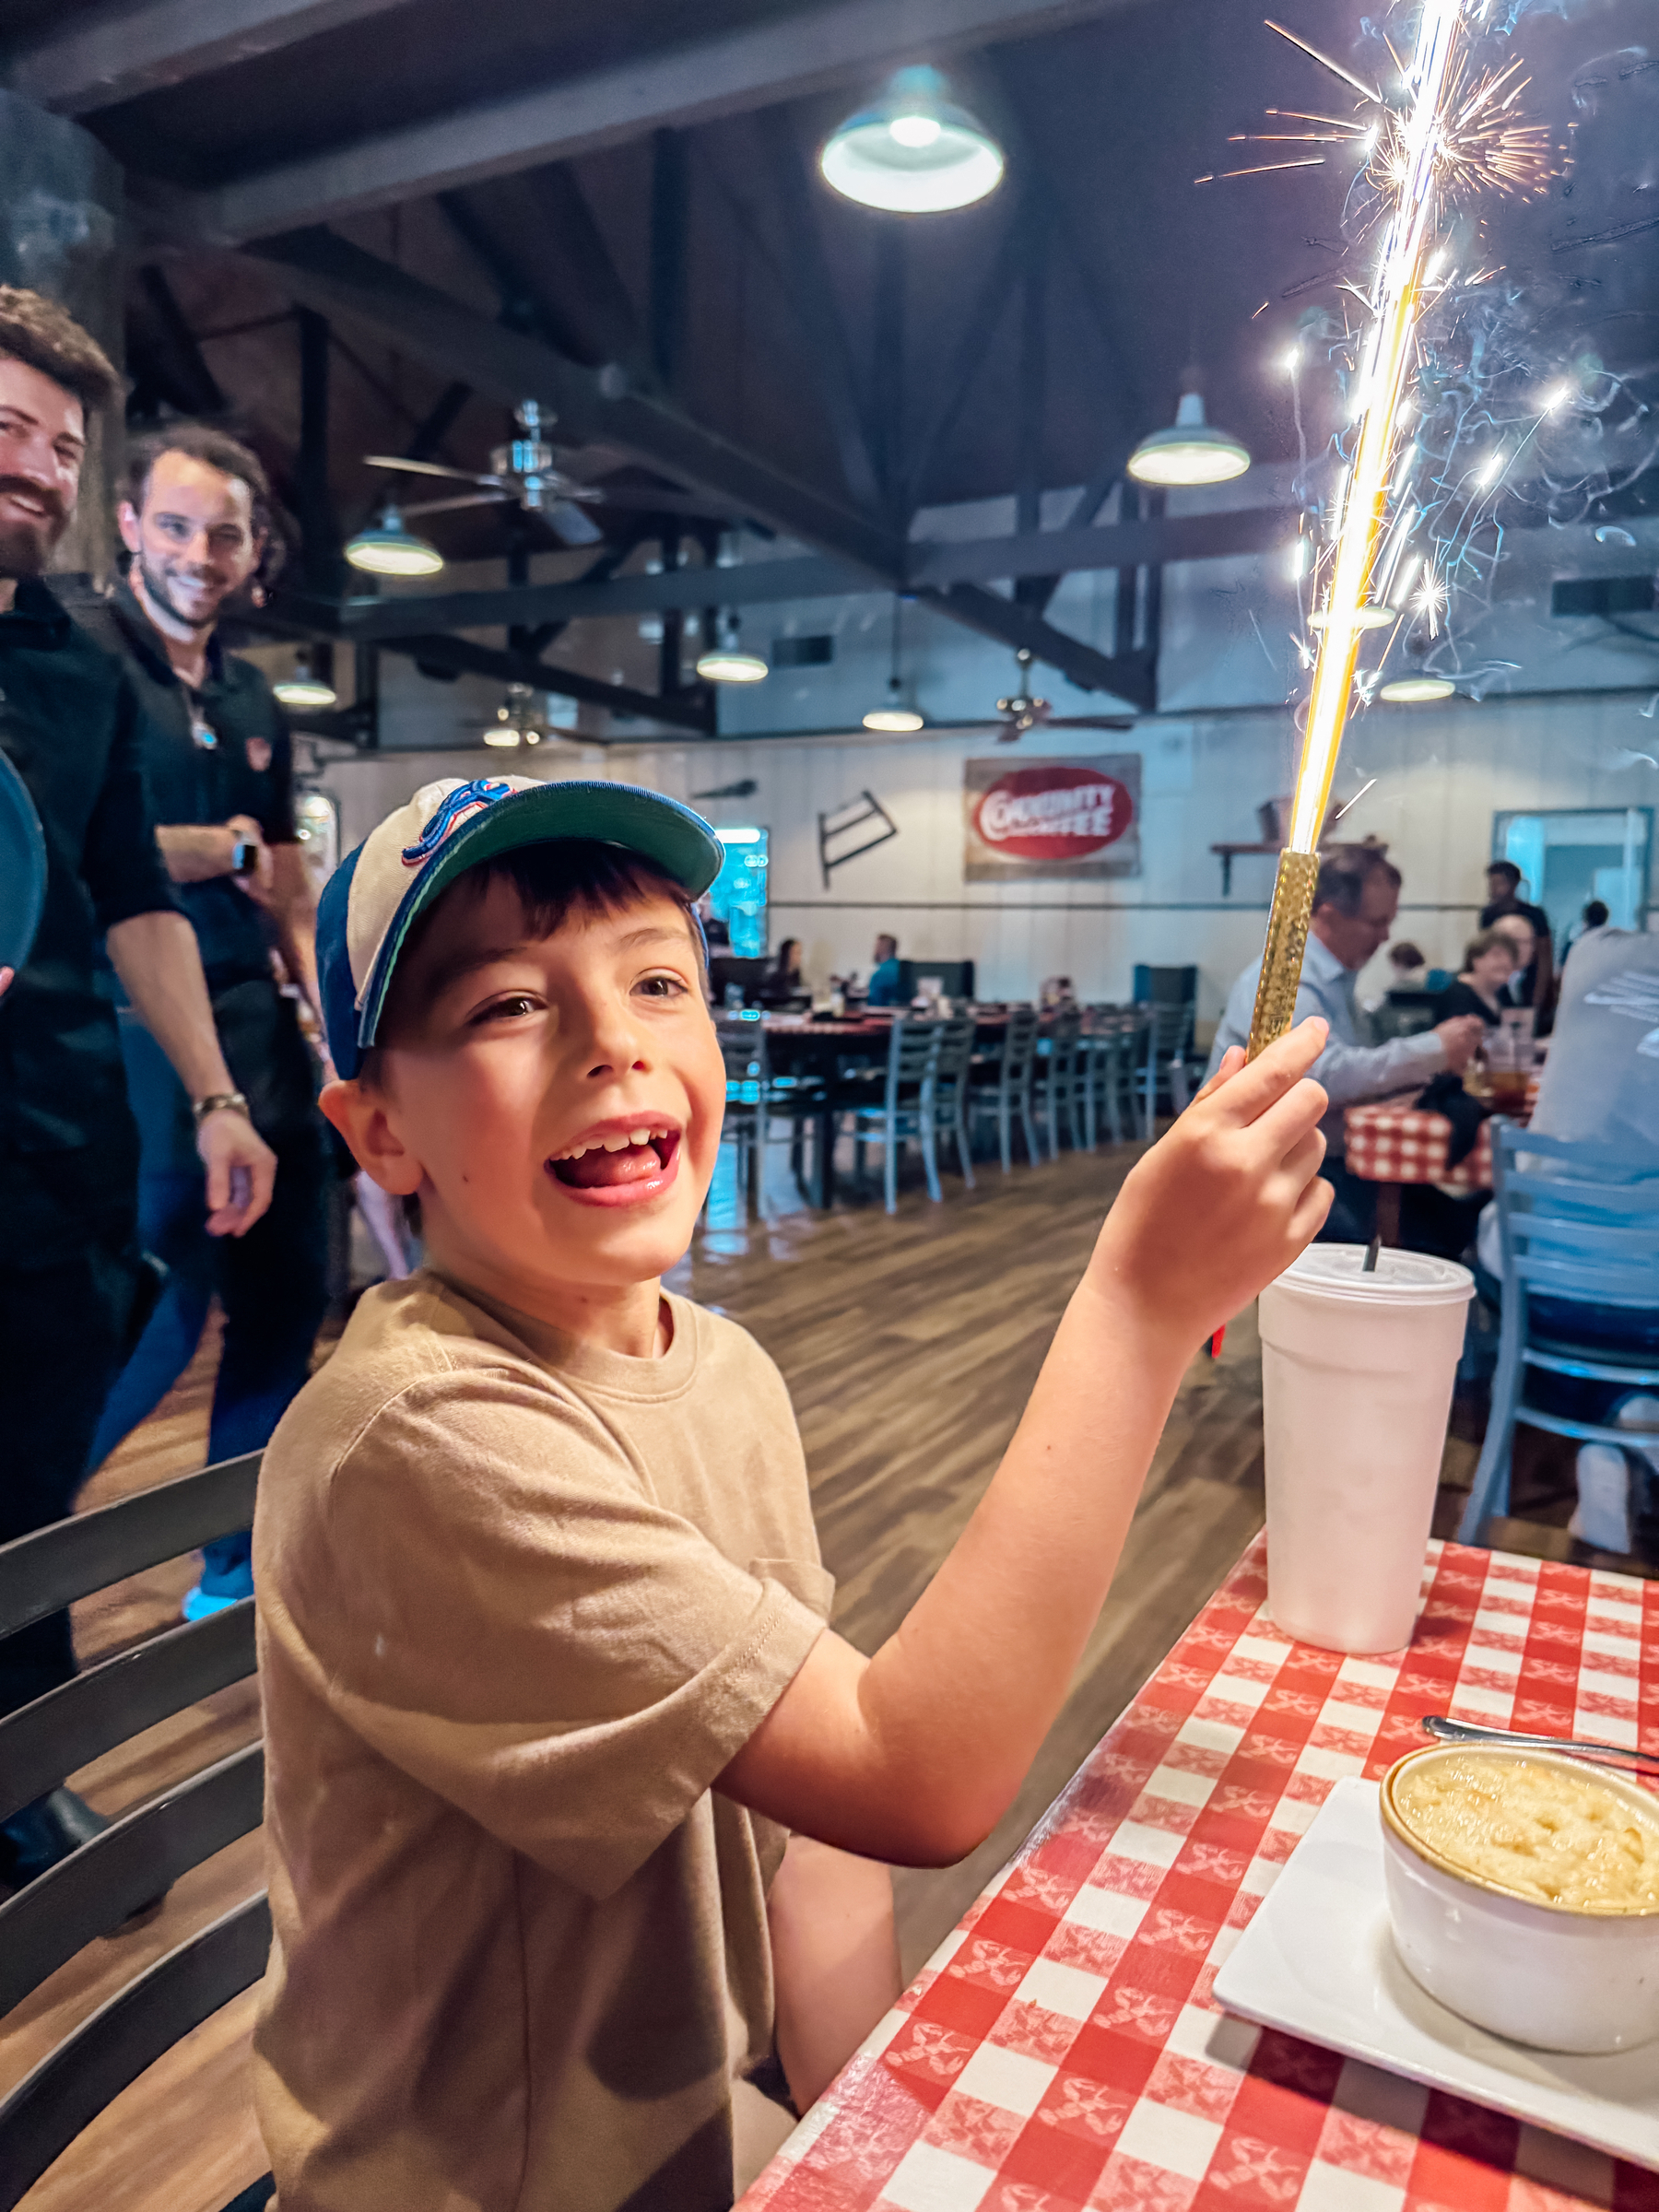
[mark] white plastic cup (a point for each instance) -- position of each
(1357, 1376)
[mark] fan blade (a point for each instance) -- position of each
(426, 468)
(468, 498)
(568, 523)
(1088, 722)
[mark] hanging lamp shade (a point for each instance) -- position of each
(727, 664)
(1191, 451)
(308, 685)
(392, 548)
(1416, 691)
(914, 152)
(898, 714)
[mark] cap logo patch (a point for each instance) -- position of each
(462, 804)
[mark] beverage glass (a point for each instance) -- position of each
(1357, 1376)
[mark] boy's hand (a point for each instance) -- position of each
(1225, 1201)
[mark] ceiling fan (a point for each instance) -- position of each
(525, 472)
(1021, 712)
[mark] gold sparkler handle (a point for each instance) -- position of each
(1286, 941)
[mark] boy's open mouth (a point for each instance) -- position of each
(618, 1158)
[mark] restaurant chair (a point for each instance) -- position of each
(1586, 1235)
(88, 1895)
(1108, 1040)
(1004, 1088)
(896, 1113)
(1166, 1045)
(1063, 1078)
(945, 1092)
(756, 1098)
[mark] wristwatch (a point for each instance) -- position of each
(218, 1101)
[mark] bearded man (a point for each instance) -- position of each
(197, 524)
(72, 1274)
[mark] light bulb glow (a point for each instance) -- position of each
(1416, 690)
(1362, 617)
(302, 690)
(902, 719)
(725, 665)
(391, 549)
(914, 130)
(1190, 452)
(501, 733)
(914, 152)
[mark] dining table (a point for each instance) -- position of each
(1393, 1141)
(1064, 2047)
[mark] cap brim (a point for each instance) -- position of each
(657, 828)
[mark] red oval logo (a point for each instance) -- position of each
(1061, 813)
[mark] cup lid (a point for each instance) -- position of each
(1415, 1278)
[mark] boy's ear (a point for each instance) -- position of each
(361, 1117)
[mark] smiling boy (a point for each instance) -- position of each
(547, 1678)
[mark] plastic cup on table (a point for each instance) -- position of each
(1357, 1376)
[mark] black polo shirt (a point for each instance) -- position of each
(69, 721)
(207, 755)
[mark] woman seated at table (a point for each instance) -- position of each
(783, 979)
(1488, 962)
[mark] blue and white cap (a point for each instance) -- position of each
(376, 895)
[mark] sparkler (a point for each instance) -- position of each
(1459, 132)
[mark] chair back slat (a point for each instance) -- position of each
(954, 1050)
(910, 1051)
(89, 2068)
(1019, 1046)
(104, 1705)
(42, 1572)
(94, 1890)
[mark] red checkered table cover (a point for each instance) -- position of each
(1062, 2049)
(1390, 1142)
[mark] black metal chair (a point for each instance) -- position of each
(944, 1100)
(892, 1114)
(93, 1892)
(756, 1097)
(1063, 1080)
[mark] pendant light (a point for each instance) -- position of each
(311, 685)
(914, 152)
(1189, 453)
(724, 661)
(1416, 691)
(898, 714)
(392, 548)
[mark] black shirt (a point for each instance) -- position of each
(1522, 990)
(69, 724)
(207, 755)
(1459, 997)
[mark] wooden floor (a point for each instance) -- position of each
(909, 1345)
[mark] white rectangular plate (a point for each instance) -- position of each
(1319, 1960)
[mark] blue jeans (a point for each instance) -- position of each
(272, 1284)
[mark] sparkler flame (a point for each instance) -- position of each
(1457, 133)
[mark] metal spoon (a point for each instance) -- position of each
(1471, 1732)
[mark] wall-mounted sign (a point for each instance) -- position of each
(1051, 818)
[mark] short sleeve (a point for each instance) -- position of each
(494, 1603)
(120, 861)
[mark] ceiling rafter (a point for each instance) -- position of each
(157, 43)
(837, 42)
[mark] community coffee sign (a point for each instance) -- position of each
(1051, 818)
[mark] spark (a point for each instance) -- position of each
(1354, 801)
(1557, 398)
(1490, 470)
(1265, 169)
(1326, 62)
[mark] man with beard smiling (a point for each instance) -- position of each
(70, 1266)
(197, 521)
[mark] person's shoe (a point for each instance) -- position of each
(37, 1836)
(1601, 1518)
(215, 1591)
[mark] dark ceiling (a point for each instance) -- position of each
(884, 364)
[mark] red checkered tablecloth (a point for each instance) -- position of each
(1391, 1142)
(1062, 2049)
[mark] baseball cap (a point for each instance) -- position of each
(376, 895)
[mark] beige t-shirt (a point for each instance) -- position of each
(519, 1602)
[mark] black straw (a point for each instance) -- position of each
(1370, 1257)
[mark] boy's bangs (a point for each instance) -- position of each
(550, 880)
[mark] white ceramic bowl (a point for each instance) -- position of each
(1553, 1976)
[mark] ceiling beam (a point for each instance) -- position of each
(934, 567)
(460, 656)
(161, 43)
(1132, 676)
(328, 272)
(841, 42)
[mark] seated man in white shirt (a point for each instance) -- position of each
(1355, 901)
